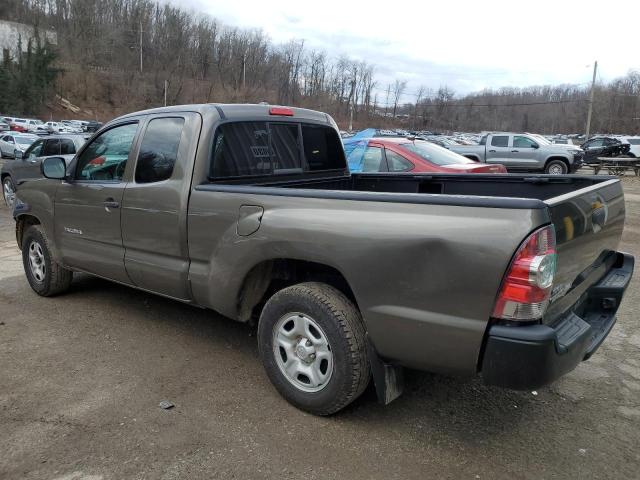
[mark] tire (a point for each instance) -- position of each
(556, 167)
(8, 191)
(324, 314)
(46, 277)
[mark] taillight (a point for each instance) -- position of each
(284, 111)
(526, 287)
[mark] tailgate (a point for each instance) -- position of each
(588, 225)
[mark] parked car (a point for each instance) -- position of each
(19, 125)
(55, 127)
(523, 152)
(30, 125)
(399, 154)
(634, 145)
(604, 147)
(4, 127)
(73, 126)
(442, 141)
(14, 144)
(27, 164)
(92, 126)
(562, 141)
(250, 210)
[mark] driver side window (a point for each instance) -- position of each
(106, 157)
(34, 150)
(523, 142)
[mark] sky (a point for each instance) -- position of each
(466, 45)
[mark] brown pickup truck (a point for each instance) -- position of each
(250, 210)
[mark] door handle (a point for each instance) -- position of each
(33, 161)
(515, 151)
(492, 151)
(110, 203)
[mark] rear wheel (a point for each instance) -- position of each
(45, 275)
(313, 347)
(556, 167)
(8, 191)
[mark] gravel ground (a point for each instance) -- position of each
(82, 375)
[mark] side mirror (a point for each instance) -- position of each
(54, 168)
(18, 154)
(535, 145)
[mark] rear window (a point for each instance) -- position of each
(271, 148)
(436, 154)
(500, 141)
(322, 148)
(634, 141)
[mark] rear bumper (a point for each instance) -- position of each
(528, 357)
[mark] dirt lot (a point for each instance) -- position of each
(81, 377)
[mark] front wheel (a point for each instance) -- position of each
(313, 347)
(8, 191)
(44, 274)
(556, 167)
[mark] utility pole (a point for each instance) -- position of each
(140, 45)
(166, 84)
(244, 70)
(593, 84)
(351, 101)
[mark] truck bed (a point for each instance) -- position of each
(497, 190)
(586, 211)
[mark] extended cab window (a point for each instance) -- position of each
(159, 150)
(105, 158)
(500, 141)
(268, 148)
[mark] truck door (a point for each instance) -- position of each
(498, 150)
(87, 209)
(154, 212)
(29, 158)
(524, 153)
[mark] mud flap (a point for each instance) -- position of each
(388, 379)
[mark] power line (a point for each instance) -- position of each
(496, 105)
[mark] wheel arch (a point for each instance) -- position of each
(564, 160)
(23, 222)
(270, 276)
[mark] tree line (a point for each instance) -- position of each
(114, 56)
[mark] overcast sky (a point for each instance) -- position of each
(467, 45)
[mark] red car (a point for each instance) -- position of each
(415, 156)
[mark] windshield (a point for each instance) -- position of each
(24, 141)
(436, 154)
(540, 139)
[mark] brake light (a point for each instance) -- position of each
(526, 287)
(284, 111)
